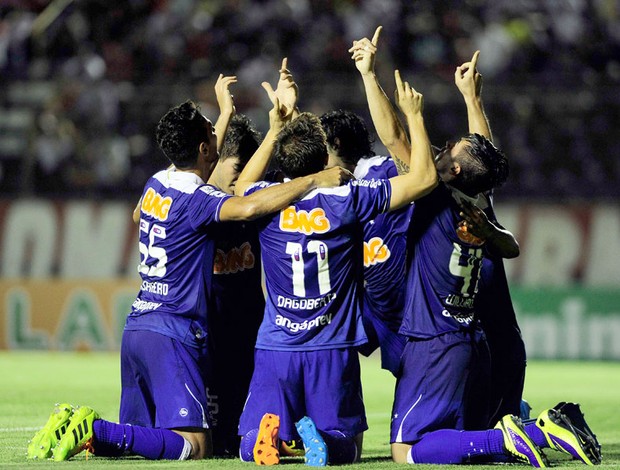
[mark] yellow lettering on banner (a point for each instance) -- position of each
(303, 221)
(156, 205)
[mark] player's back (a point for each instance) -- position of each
(444, 270)
(176, 255)
(312, 257)
(385, 247)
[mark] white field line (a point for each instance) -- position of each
(19, 429)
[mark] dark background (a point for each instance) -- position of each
(83, 83)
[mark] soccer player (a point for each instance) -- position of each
(562, 427)
(385, 237)
(306, 378)
(440, 322)
(164, 353)
(508, 348)
(349, 145)
(238, 297)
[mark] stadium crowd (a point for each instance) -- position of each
(82, 88)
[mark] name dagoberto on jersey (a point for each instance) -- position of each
(305, 304)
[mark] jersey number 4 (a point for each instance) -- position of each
(465, 263)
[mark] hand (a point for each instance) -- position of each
(476, 221)
(286, 91)
(223, 95)
(276, 119)
(334, 176)
(363, 52)
(409, 101)
(467, 78)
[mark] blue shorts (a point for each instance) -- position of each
(324, 385)
(380, 334)
(441, 385)
(163, 382)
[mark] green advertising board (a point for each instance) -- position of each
(569, 323)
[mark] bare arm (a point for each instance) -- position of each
(387, 124)
(422, 176)
(226, 105)
(469, 82)
(279, 115)
(499, 241)
(135, 216)
(257, 166)
(277, 197)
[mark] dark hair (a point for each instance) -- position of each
(486, 169)
(300, 147)
(180, 132)
(354, 141)
(241, 140)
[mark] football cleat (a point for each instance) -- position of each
(292, 448)
(79, 434)
(518, 444)
(267, 442)
(563, 436)
(314, 445)
(41, 445)
(573, 412)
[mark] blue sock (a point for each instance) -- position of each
(246, 448)
(440, 447)
(113, 439)
(536, 435)
(476, 444)
(341, 449)
(448, 446)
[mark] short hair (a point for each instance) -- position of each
(241, 140)
(486, 169)
(301, 147)
(180, 132)
(350, 129)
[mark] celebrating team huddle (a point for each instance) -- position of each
(357, 252)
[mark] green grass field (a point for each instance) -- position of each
(31, 382)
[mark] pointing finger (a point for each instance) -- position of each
(375, 37)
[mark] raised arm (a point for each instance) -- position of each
(279, 115)
(387, 124)
(257, 166)
(279, 196)
(226, 105)
(422, 176)
(469, 82)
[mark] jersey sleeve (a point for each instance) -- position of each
(371, 198)
(205, 206)
(257, 186)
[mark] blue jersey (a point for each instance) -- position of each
(444, 271)
(385, 248)
(237, 291)
(312, 258)
(177, 215)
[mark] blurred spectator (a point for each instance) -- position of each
(120, 65)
